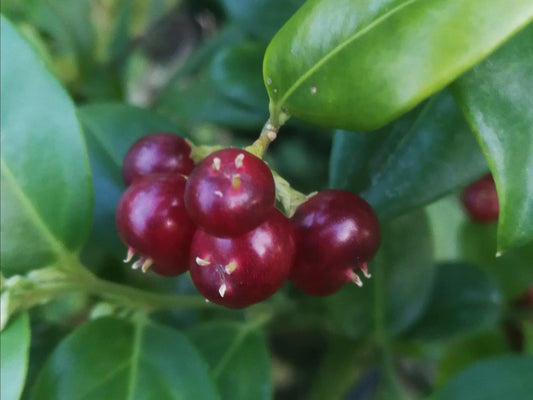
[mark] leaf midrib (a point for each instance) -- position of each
(32, 212)
(339, 48)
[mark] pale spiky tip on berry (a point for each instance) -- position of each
(202, 262)
(353, 277)
(146, 265)
(238, 160)
(236, 182)
(130, 255)
(216, 164)
(137, 264)
(230, 267)
(222, 290)
(364, 269)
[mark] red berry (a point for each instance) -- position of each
(152, 221)
(238, 272)
(480, 200)
(230, 193)
(337, 233)
(157, 153)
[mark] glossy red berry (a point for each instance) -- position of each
(480, 200)
(238, 272)
(230, 192)
(152, 221)
(337, 233)
(157, 153)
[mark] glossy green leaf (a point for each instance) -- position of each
(358, 65)
(15, 345)
(236, 72)
(46, 189)
(260, 18)
(115, 359)
(513, 270)
(238, 358)
(464, 300)
(110, 130)
(417, 159)
(506, 377)
(391, 294)
(496, 99)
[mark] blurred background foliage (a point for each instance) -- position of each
(439, 302)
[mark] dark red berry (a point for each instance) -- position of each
(238, 272)
(480, 200)
(337, 233)
(153, 222)
(230, 192)
(157, 153)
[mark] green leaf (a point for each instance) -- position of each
(464, 300)
(504, 377)
(46, 189)
(238, 357)
(513, 270)
(115, 359)
(15, 345)
(260, 18)
(110, 130)
(417, 159)
(391, 294)
(496, 99)
(460, 354)
(358, 65)
(236, 72)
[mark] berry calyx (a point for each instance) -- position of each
(480, 200)
(238, 272)
(157, 153)
(230, 193)
(152, 221)
(337, 233)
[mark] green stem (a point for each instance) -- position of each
(267, 136)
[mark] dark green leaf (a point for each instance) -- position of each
(238, 358)
(114, 359)
(110, 130)
(261, 18)
(460, 354)
(464, 300)
(500, 378)
(496, 99)
(46, 188)
(402, 277)
(415, 160)
(513, 270)
(358, 65)
(15, 343)
(236, 72)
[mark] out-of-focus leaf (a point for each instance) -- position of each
(406, 252)
(110, 130)
(46, 190)
(496, 99)
(236, 72)
(505, 377)
(358, 65)
(461, 353)
(260, 18)
(115, 359)
(464, 300)
(417, 159)
(238, 358)
(513, 270)
(15, 344)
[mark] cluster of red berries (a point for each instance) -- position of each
(218, 220)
